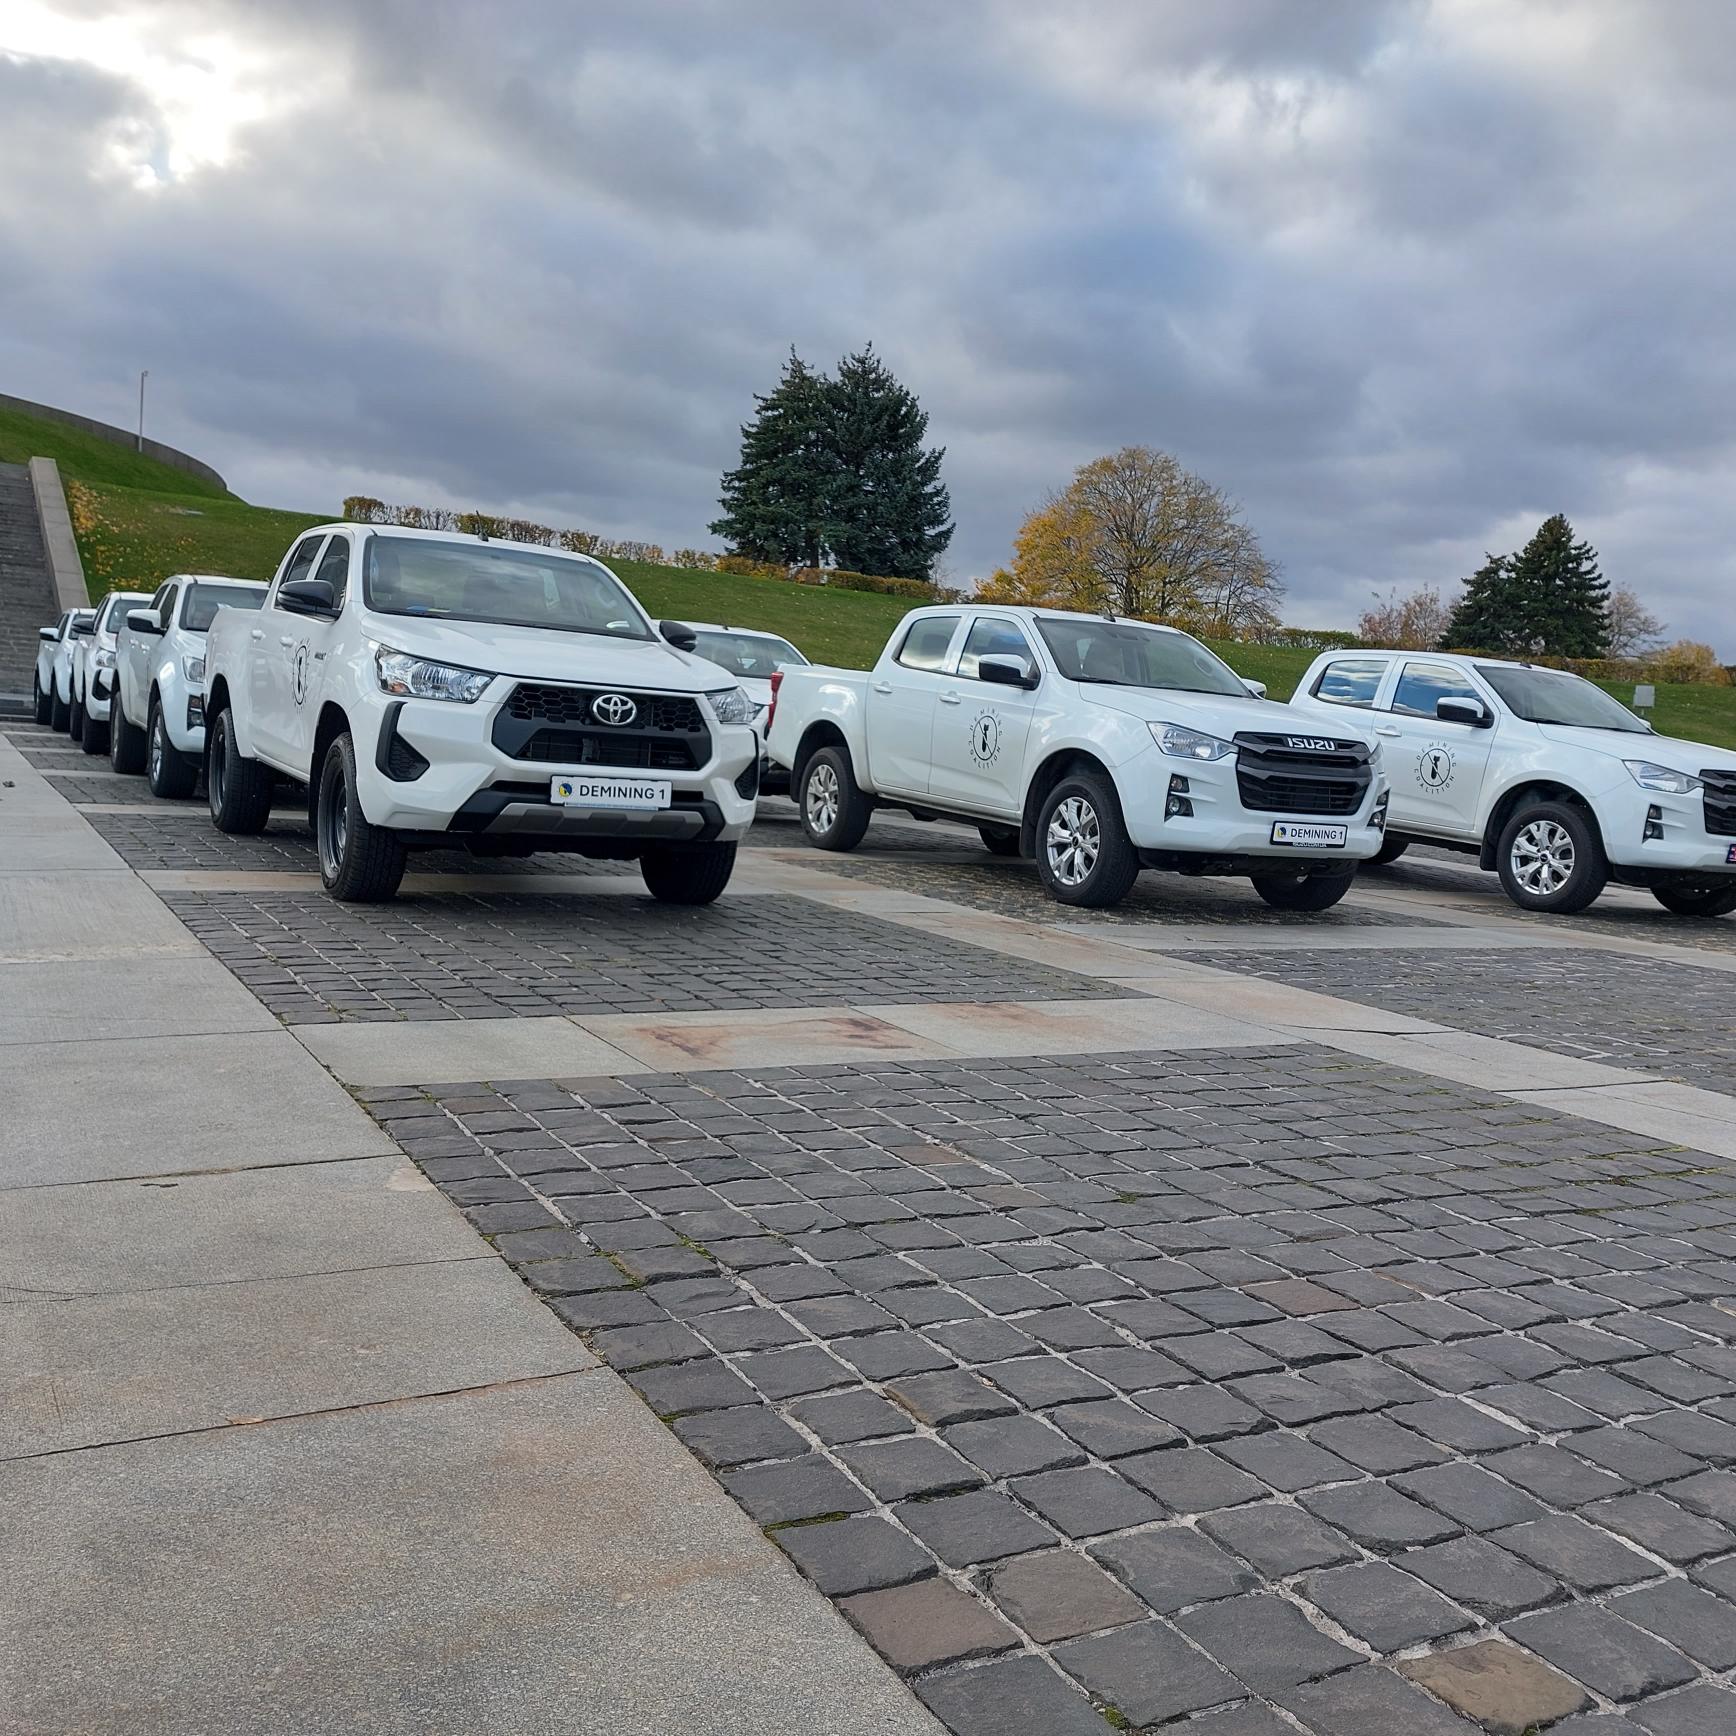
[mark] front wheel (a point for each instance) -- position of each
(96, 734)
(1000, 840)
(238, 788)
(359, 862)
(1084, 855)
(687, 873)
(1303, 891)
(41, 702)
(59, 712)
(75, 722)
(835, 811)
(1697, 900)
(126, 740)
(1390, 851)
(1550, 858)
(172, 774)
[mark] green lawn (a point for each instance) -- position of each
(90, 459)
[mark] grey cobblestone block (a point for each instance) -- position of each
(1371, 1701)
(1265, 1641)
(916, 1627)
(1038, 1381)
(1147, 1673)
(1662, 1527)
(1712, 1493)
(1377, 1516)
(1474, 1497)
(1576, 1553)
(1016, 1694)
(1174, 1567)
(1700, 1711)
(955, 1396)
(1596, 1647)
(1387, 1609)
(1058, 1595)
(899, 1469)
(1633, 1456)
(1202, 1413)
(722, 1438)
(1190, 1479)
(801, 1488)
(675, 1389)
(1278, 1540)
(1376, 1444)
(1286, 1462)
(857, 1415)
(1692, 1620)
(1086, 1502)
(1013, 1446)
(1481, 1577)
(1112, 1428)
(845, 1556)
(967, 1530)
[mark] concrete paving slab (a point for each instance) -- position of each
(1061, 949)
(537, 1560)
(159, 994)
(1702, 1120)
(1486, 1061)
(1241, 936)
(91, 1111)
(119, 1237)
(1276, 1003)
(50, 916)
(1007, 1028)
(435, 1051)
(794, 1036)
(119, 1368)
(46, 837)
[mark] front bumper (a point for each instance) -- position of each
(467, 785)
(1220, 826)
(100, 695)
(1649, 831)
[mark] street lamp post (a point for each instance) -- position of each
(144, 374)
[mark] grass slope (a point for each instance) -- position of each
(138, 521)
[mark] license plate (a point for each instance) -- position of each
(1730, 854)
(585, 792)
(1308, 837)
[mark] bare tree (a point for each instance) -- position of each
(1413, 623)
(1633, 629)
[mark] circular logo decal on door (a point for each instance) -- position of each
(301, 667)
(1435, 766)
(985, 738)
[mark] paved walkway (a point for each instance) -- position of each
(284, 1446)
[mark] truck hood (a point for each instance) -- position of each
(1222, 714)
(1661, 750)
(539, 654)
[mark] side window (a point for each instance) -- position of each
(989, 637)
(334, 567)
(925, 644)
(1421, 684)
(300, 563)
(1350, 681)
(163, 601)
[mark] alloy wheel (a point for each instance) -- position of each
(823, 799)
(1543, 857)
(1074, 841)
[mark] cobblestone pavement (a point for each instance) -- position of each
(473, 956)
(83, 789)
(1627, 1010)
(1010, 888)
(1264, 1381)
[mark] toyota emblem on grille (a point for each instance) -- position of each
(615, 709)
(1310, 743)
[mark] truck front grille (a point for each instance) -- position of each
(1720, 803)
(665, 713)
(1277, 775)
(591, 747)
(551, 725)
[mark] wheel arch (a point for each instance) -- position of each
(821, 733)
(333, 721)
(1062, 763)
(1527, 795)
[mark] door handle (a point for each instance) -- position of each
(882, 686)
(257, 633)
(1385, 729)
(286, 641)
(949, 699)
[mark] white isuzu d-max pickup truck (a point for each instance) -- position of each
(435, 689)
(1543, 776)
(1098, 746)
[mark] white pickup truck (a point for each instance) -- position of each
(1550, 782)
(158, 721)
(430, 688)
(1098, 746)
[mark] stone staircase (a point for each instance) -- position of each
(27, 600)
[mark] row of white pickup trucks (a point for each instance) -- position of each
(430, 688)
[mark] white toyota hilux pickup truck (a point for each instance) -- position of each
(1548, 780)
(1098, 746)
(434, 689)
(158, 721)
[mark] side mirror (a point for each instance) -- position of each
(1472, 712)
(1257, 688)
(48, 635)
(1006, 672)
(307, 597)
(678, 634)
(145, 621)
(83, 629)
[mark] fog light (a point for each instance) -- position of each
(1177, 806)
(1377, 819)
(196, 711)
(1654, 823)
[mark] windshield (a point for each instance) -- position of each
(1554, 696)
(757, 655)
(1120, 654)
(114, 611)
(200, 603)
(504, 586)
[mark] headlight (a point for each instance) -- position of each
(1655, 777)
(104, 659)
(732, 705)
(416, 678)
(193, 667)
(1181, 743)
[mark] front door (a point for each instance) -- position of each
(902, 696)
(980, 728)
(307, 660)
(273, 637)
(1435, 766)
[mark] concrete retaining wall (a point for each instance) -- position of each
(119, 436)
(58, 542)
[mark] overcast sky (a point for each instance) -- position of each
(1405, 276)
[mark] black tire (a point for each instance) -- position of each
(95, 739)
(687, 873)
(1697, 900)
(1390, 851)
(238, 789)
(359, 862)
(1550, 858)
(171, 773)
(75, 720)
(1084, 855)
(126, 741)
(59, 712)
(1298, 891)
(835, 811)
(41, 703)
(999, 840)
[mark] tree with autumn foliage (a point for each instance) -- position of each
(1135, 534)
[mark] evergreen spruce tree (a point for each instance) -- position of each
(891, 513)
(1492, 615)
(1565, 596)
(777, 500)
